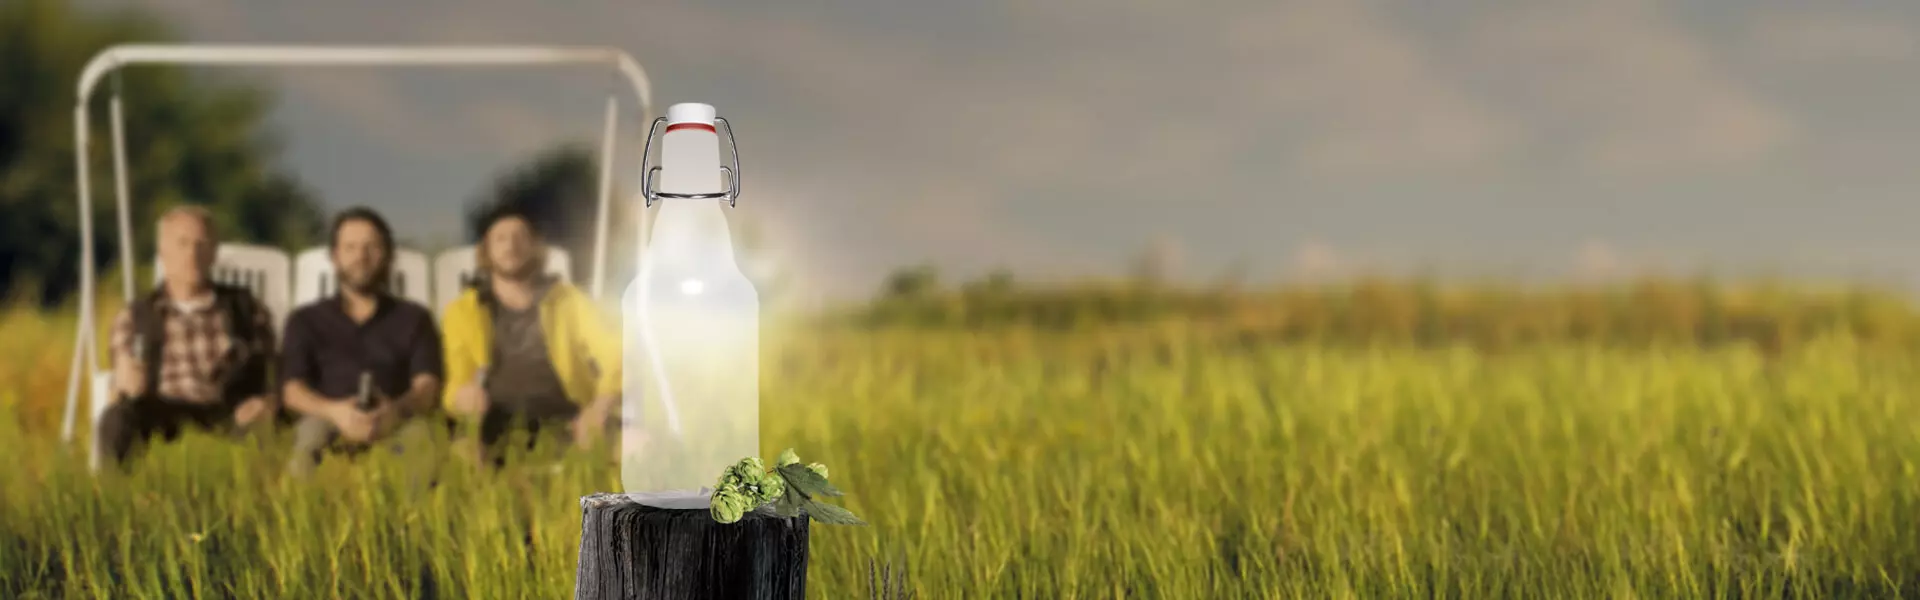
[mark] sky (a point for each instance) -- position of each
(1278, 138)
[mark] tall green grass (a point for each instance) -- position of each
(1169, 465)
(1421, 312)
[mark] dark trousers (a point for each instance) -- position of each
(128, 424)
(503, 426)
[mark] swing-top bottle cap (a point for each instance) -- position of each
(690, 113)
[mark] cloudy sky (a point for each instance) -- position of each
(1286, 136)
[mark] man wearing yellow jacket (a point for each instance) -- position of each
(526, 351)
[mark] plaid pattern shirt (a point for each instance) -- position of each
(192, 360)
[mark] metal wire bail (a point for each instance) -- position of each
(647, 174)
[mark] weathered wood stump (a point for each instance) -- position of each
(661, 547)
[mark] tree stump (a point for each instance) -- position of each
(667, 546)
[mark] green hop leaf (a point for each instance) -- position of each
(818, 468)
(787, 457)
(832, 515)
(788, 505)
(808, 482)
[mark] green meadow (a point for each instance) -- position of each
(1236, 450)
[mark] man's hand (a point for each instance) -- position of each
(591, 421)
(249, 411)
(129, 377)
(469, 401)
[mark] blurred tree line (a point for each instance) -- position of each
(557, 192)
(1651, 311)
(190, 138)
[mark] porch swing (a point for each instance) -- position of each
(282, 282)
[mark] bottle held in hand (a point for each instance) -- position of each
(133, 373)
(471, 398)
(366, 401)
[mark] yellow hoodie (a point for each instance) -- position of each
(584, 345)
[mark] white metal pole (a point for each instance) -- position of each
(120, 197)
(606, 194)
(73, 380)
(124, 208)
(642, 87)
(389, 56)
(83, 339)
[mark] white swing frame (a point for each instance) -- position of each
(86, 360)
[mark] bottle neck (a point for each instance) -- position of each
(691, 229)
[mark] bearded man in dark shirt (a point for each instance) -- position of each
(362, 363)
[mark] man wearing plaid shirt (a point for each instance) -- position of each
(192, 352)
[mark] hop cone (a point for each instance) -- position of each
(741, 474)
(729, 507)
(744, 486)
(771, 487)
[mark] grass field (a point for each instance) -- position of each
(1150, 464)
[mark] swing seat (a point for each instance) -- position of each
(315, 278)
(456, 269)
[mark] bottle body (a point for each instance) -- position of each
(691, 403)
